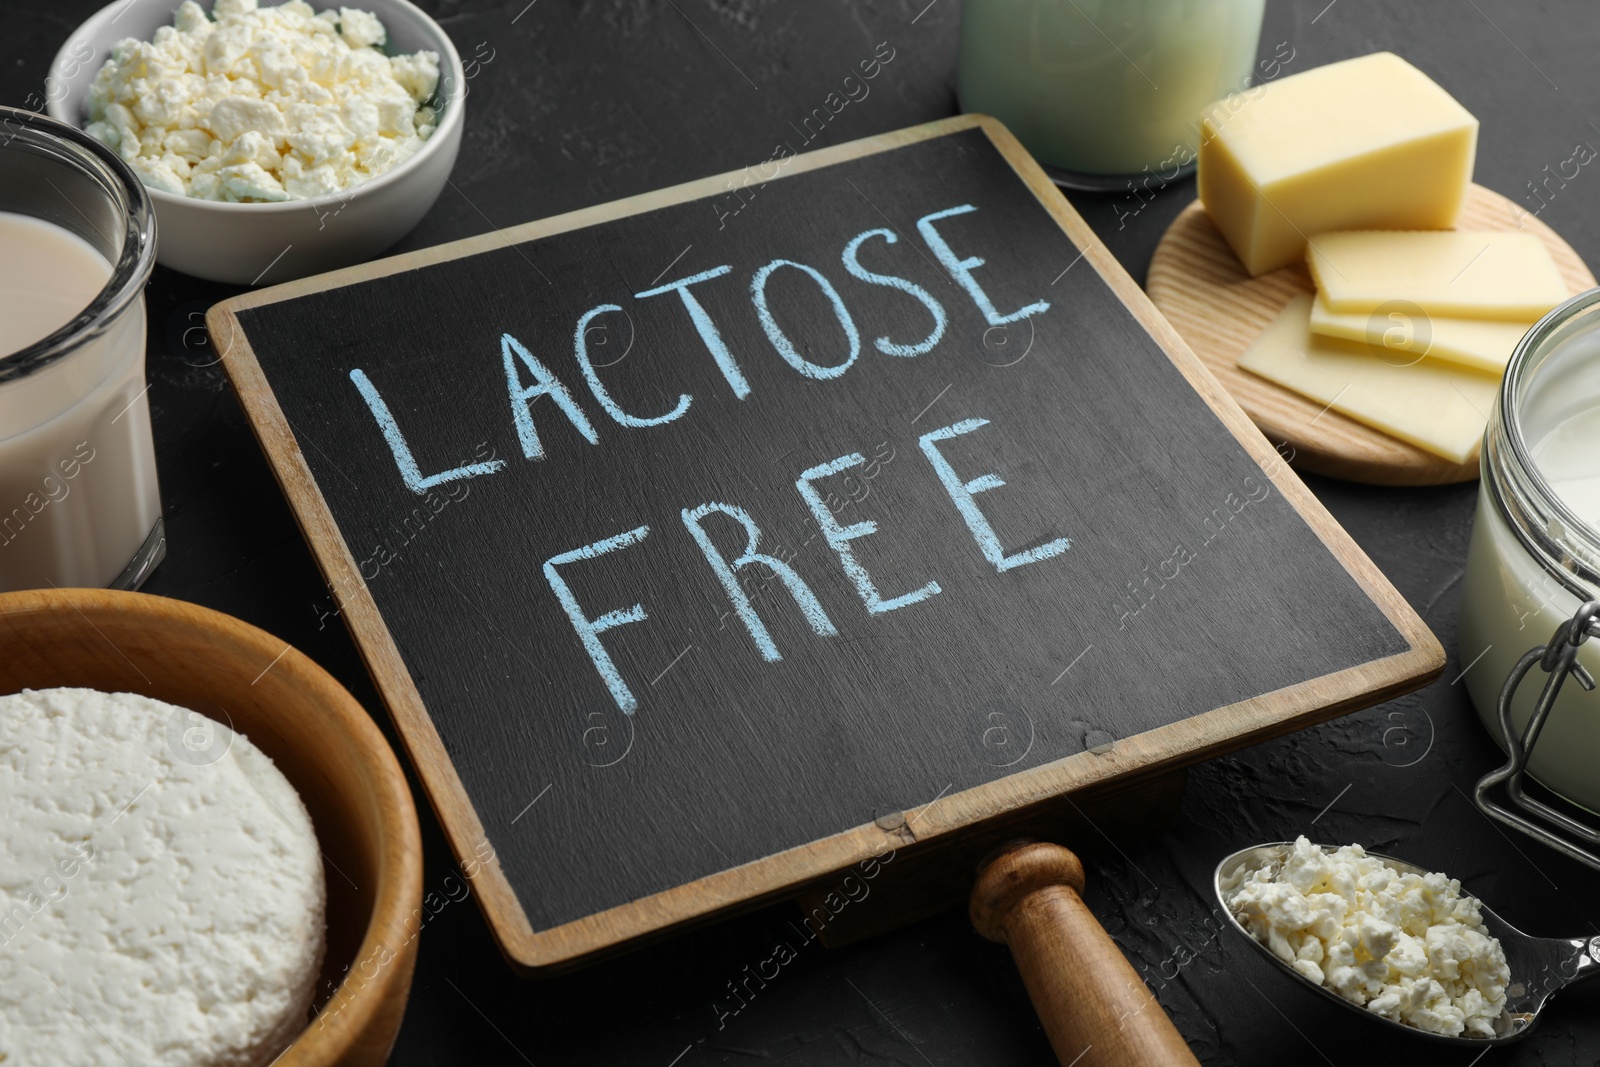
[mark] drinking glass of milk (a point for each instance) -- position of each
(1535, 551)
(1100, 90)
(79, 504)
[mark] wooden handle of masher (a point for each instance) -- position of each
(1094, 1006)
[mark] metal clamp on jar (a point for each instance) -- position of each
(1533, 572)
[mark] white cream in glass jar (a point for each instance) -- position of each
(1535, 551)
(79, 504)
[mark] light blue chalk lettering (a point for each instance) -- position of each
(544, 383)
(963, 492)
(726, 573)
(589, 630)
(961, 269)
(581, 346)
(708, 329)
(410, 473)
(852, 263)
(780, 340)
(839, 537)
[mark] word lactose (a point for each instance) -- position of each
(528, 379)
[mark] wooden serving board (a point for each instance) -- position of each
(1073, 561)
(1204, 291)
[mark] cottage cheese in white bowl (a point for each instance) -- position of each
(263, 104)
(275, 140)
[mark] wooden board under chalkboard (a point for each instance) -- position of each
(707, 543)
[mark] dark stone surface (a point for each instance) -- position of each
(575, 103)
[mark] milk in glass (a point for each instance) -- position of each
(78, 495)
(1105, 87)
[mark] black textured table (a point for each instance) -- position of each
(575, 102)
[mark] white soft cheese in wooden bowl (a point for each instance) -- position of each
(161, 889)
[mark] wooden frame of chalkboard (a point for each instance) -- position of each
(788, 872)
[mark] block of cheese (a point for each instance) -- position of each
(1367, 143)
(1477, 343)
(1441, 408)
(1509, 277)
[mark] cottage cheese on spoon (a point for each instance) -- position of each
(267, 104)
(161, 891)
(1409, 947)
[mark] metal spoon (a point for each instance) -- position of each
(1540, 966)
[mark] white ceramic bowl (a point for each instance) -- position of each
(262, 244)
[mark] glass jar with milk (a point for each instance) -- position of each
(1099, 90)
(79, 504)
(1535, 552)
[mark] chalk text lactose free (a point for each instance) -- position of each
(528, 379)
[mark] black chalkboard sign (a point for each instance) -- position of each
(692, 539)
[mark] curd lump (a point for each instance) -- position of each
(161, 891)
(269, 104)
(1408, 947)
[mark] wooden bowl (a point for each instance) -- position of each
(319, 736)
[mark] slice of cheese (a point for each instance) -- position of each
(1505, 276)
(1368, 143)
(1476, 343)
(1441, 408)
